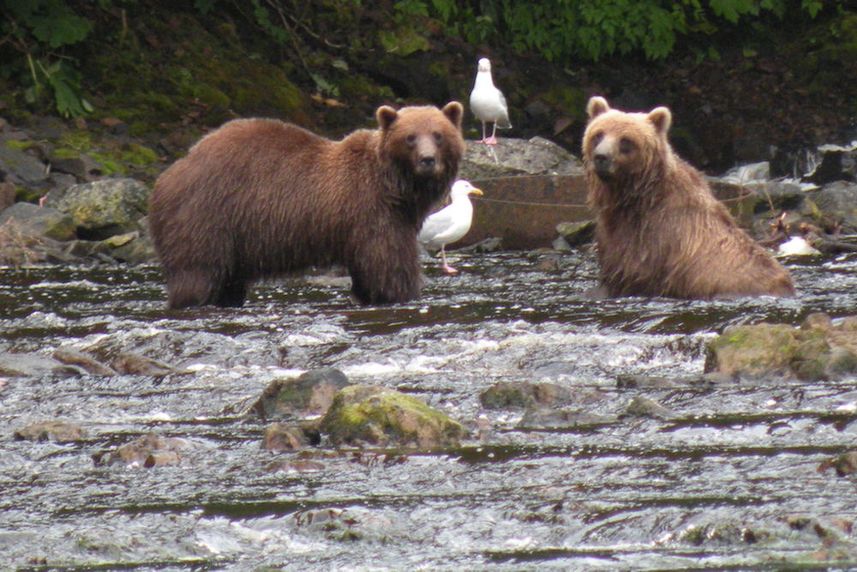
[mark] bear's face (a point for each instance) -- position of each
(425, 140)
(618, 146)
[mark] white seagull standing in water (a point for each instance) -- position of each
(488, 103)
(450, 223)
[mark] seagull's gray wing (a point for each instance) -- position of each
(435, 225)
(503, 121)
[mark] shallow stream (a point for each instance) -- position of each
(730, 482)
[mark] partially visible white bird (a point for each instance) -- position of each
(797, 246)
(450, 223)
(488, 103)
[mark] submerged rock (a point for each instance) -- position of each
(816, 350)
(133, 364)
(309, 394)
(83, 361)
(147, 451)
(57, 431)
(380, 416)
(510, 395)
(844, 464)
(551, 419)
(281, 437)
(642, 406)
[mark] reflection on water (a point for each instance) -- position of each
(731, 481)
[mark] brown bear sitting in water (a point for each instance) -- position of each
(659, 230)
(259, 197)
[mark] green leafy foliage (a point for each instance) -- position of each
(593, 29)
(38, 30)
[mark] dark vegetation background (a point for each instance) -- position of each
(746, 80)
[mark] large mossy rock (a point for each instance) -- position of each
(103, 208)
(31, 220)
(817, 350)
(379, 416)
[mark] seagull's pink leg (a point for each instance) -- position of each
(447, 269)
(493, 139)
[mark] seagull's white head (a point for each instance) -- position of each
(462, 188)
(484, 65)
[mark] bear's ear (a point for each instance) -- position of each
(454, 112)
(596, 106)
(386, 116)
(661, 118)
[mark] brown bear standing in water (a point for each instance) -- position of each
(259, 197)
(659, 230)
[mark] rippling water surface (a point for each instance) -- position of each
(730, 482)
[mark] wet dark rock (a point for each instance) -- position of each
(147, 451)
(57, 431)
(281, 437)
(103, 208)
(512, 395)
(642, 406)
(817, 350)
(380, 416)
(83, 361)
(836, 163)
(33, 220)
(844, 464)
(133, 364)
(577, 233)
(309, 394)
(21, 168)
(551, 419)
(836, 204)
(536, 156)
(132, 248)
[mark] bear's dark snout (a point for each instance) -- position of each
(603, 165)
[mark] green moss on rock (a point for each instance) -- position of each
(816, 350)
(380, 416)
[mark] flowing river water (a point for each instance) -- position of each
(730, 481)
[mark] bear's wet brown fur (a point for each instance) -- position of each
(259, 197)
(659, 229)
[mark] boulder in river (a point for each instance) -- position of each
(309, 394)
(817, 350)
(380, 416)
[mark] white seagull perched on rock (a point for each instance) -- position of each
(488, 103)
(450, 223)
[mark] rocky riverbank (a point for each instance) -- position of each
(62, 204)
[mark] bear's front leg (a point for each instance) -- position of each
(386, 270)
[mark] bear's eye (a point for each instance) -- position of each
(411, 139)
(597, 137)
(626, 146)
(438, 137)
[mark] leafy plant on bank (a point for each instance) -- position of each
(38, 31)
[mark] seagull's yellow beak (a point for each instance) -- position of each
(475, 191)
